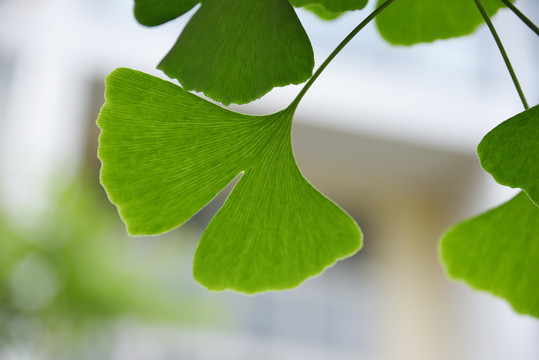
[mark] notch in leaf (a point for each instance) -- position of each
(233, 51)
(510, 152)
(166, 153)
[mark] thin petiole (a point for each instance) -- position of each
(343, 43)
(522, 17)
(502, 51)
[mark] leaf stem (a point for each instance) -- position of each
(338, 49)
(522, 17)
(502, 51)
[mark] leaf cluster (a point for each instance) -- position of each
(166, 152)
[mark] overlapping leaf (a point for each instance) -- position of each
(510, 152)
(498, 251)
(234, 50)
(408, 22)
(166, 153)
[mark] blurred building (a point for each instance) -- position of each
(389, 133)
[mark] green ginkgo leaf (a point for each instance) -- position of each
(166, 153)
(510, 152)
(498, 251)
(234, 51)
(409, 22)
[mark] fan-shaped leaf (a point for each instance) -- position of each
(510, 152)
(166, 153)
(498, 251)
(234, 51)
(238, 50)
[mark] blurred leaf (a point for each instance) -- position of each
(321, 12)
(510, 152)
(408, 22)
(76, 266)
(331, 6)
(234, 50)
(13, 248)
(166, 153)
(498, 251)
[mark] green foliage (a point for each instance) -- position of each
(409, 22)
(510, 152)
(166, 153)
(236, 50)
(498, 251)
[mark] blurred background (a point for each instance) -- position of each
(389, 133)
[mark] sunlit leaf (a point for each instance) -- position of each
(234, 51)
(166, 153)
(498, 251)
(510, 152)
(408, 22)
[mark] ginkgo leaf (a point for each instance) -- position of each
(166, 153)
(238, 50)
(408, 22)
(510, 152)
(233, 51)
(332, 6)
(498, 251)
(152, 12)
